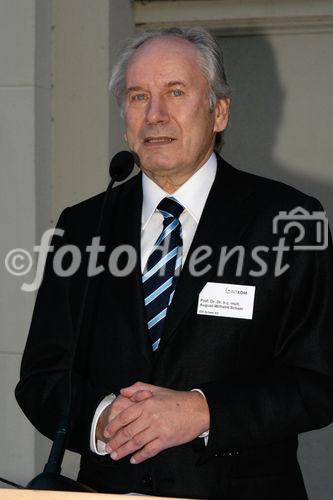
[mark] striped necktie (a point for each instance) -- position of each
(163, 266)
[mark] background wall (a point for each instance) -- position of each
(24, 200)
(58, 130)
(281, 121)
(281, 127)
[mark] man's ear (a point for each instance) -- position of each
(221, 114)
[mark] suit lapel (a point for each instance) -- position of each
(225, 217)
(128, 208)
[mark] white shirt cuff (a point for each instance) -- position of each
(205, 434)
(98, 446)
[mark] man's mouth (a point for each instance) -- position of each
(158, 140)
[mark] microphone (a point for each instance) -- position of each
(121, 166)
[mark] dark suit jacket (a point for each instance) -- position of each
(265, 379)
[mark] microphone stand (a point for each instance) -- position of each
(50, 479)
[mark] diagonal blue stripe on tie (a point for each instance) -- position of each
(173, 225)
(158, 291)
(161, 315)
(160, 264)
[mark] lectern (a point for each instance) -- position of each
(6, 494)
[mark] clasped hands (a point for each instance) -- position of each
(146, 419)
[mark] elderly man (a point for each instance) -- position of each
(194, 381)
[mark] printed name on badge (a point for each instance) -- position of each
(226, 299)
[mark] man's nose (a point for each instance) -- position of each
(157, 111)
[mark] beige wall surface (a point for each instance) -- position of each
(281, 119)
(86, 127)
(24, 84)
(80, 109)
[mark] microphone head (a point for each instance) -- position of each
(121, 166)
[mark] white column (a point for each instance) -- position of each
(24, 152)
(121, 27)
(80, 100)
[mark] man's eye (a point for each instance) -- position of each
(176, 92)
(138, 97)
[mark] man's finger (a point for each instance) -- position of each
(127, 433)
(122, 420)
(150, 450)
(138, 386)
(141, 396)
(137, 442)
(119, 404)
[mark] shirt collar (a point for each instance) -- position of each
(192, 194)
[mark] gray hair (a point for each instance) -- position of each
(210, 61)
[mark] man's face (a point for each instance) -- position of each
(166, 110)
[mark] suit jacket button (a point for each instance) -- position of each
(147, 480)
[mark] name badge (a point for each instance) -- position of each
(226, 299)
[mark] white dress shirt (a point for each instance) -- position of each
(192, 195)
